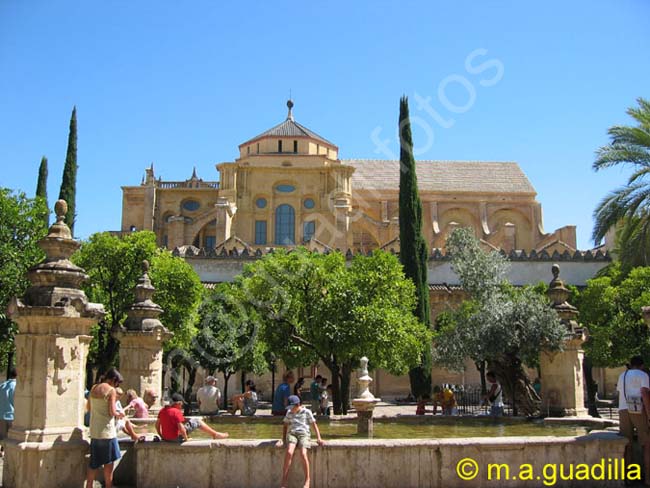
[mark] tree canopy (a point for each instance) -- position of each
(114, 265)
(313, 307)
(610, 308)
(21, 227)
(413, 246)
(68, 191)
(500, 324)
(228, 338)
(628, 208)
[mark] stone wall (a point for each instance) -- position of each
(368, 463)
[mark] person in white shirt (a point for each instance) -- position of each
(634, 410)
(209, 397)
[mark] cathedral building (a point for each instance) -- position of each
(288, 187)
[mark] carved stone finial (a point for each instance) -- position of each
(60, 209)
(364, 366)
(559, 295)
(143, 314)
(555, 269)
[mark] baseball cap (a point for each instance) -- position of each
(293, 400)
(177, 397)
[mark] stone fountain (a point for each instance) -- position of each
(365, 403)
(46, 444)
(141, 342)
(562, 376)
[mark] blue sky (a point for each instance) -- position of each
(183, 83)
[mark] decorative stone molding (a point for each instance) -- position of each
(54, 320)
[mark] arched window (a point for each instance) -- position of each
(285, 225)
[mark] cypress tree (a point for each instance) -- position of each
(41, 187)
(413, 247)
(69, 181)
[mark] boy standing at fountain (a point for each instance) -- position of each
(296, 432)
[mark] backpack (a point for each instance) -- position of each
(634, 402)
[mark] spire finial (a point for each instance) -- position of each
(290, 106)
(194, 177)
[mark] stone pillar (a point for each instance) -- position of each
(562, 377)
(342, 234)
(225, 211)
(141, 342)
(646, 314)
(46, 445)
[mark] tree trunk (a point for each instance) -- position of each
(516, 386)
(480, 366)
(346, 373)
(336, 389)
(592, 386)
(243, 381)
(224, 399)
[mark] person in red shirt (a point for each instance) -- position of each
(172, 426)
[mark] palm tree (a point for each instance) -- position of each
(628, 208)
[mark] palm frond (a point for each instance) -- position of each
(619, 154)
(626, 135)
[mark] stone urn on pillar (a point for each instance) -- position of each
(562, 377)
(141, 343)
(365, 403)
(46, 444)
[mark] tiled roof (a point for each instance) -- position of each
(290, 128)
(443, 176)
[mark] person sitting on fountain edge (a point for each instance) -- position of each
(172, 426)
(296, 432)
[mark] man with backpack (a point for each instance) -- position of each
(634, 410)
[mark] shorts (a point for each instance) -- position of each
(248, 411)
(301, 439)
(190, 426)
(628, 422)
(120, 424)
(496, 411)
(103, 451)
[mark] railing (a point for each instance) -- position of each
(188, 184)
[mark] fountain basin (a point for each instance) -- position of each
(367, 463)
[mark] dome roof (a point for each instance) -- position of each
(290, 128)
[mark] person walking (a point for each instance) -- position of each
(104, 449)
(7, 390)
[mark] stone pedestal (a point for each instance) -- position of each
(562, 381)
(365, 425)
(562, 375)
(141, 362)
(46, 445)
(365, 403)
(141, 342)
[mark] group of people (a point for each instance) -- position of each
(319, 391)
(107, 417)
(446, 399)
